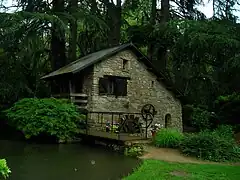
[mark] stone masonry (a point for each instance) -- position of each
(143, 88)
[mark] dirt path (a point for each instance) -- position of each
(171, 155)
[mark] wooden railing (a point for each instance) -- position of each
(79, 99)
(119, 123)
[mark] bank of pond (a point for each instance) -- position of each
(29, 161)
(95, 159)
(36, 161)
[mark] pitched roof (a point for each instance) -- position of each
(86, 61)
(96, 57)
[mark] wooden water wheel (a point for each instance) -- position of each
(130, 124)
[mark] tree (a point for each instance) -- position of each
(72, 53)
(58, 44)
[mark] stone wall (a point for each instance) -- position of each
(143, 88)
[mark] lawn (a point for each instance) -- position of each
(159, 170)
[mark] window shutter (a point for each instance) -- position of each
(103, 86)
(121, 87)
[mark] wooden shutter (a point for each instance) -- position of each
(103, 86)
(121, 87)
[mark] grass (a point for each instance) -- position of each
(159, 170)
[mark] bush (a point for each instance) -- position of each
(169, 138)
(4, 169)
(212, 146)
(54, 117)
(200, 118)
(228, 109)
(225, 131)
(134, 151)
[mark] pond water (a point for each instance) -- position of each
(63, 162)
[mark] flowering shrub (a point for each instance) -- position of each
(134, 151)
(156, 127)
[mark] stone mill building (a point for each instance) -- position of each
(118, 79)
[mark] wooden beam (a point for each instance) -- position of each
(78, 95)
(80, 101)
(66, 95)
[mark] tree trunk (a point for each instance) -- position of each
(163, 54)
(154, 11)
(114, 13)
(94, 6)
(58, 56)
(165, 5)
(73, 5)
(152, 23)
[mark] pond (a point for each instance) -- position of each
(63, 162)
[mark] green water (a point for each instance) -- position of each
(63, 162)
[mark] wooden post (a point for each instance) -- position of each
(87, 123)
(146, 130)
(71, 90)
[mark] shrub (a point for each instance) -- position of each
(228, 109)
(225, 131)
(4, 169)
(210, 146)
(134, 151)
(200, 118)
(54, 117)
(169, 138)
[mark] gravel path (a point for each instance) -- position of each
(171, 155)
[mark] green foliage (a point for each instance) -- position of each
(225, 131)
(4, 169)
(217, 145)
(200, 118)
(134, 151)
(168, 138)
(204, 57)
(55, 117)
(228, 109)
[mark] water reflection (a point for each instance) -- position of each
(63, 162)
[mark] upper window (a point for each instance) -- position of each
(125, 64)
(152, 84)
(113, 85)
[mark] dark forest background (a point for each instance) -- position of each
(201, 56)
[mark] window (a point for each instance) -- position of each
(124, 64)
(113, 85)
(168, 120)
(152, 84)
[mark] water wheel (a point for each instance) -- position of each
(147, 110)
(130, 124)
